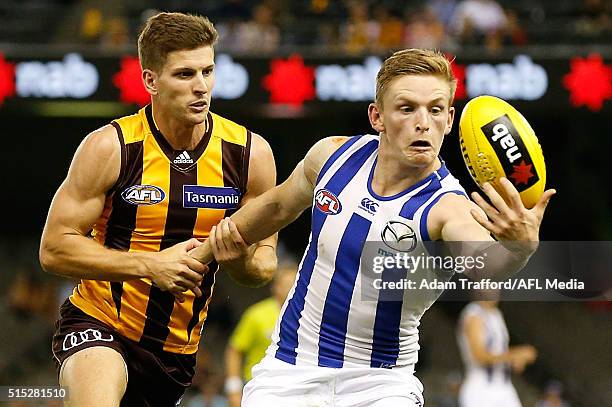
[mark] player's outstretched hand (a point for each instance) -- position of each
(227, 244)
(174, 270)
(507, 218)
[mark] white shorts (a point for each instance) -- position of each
(477, 391)
(277, 383)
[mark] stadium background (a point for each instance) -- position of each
(294, 72)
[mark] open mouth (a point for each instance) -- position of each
(420, 143)
(201, 103)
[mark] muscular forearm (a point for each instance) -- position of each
(255, 221)
(79, 257)
(255, 269)
(501, 261)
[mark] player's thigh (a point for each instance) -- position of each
(382, 395)
(95, 377)
(367, 387)
(266, 397)
(276, 383)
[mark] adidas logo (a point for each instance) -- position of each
(183, 158)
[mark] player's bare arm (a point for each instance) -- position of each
(270, 212)
(249, 264)
(455, 218)
(67, 250)
(516, 356)
(233, 381)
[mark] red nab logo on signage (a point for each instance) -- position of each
(327, 202)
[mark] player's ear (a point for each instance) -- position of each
(449, 122)
(375, 116)
(149, 78)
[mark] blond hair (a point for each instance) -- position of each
(414, 62)
(167, 32)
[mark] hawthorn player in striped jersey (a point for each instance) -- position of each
(148, 188)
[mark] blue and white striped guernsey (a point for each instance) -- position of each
(324, 321)
(496, 341)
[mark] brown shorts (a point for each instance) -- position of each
(154, 378)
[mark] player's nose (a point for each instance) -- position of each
(200, 85)
(422, 120)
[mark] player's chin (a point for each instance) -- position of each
(196, 117)
(421, 157)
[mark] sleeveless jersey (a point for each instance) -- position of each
(496, 341)
(163, 197)
(325, 320)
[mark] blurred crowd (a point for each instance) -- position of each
(360, 26)
(325, 26)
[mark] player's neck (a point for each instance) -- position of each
(393, 176)
(180, 135)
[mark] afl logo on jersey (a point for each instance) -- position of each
(143, 195)
(327, 202)
(399, 236)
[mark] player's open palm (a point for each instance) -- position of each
(174, 270)
(507, 218)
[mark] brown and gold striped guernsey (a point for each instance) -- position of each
(163, 197)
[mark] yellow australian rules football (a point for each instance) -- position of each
(496, 141)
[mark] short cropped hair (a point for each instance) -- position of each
(414, 62)
(167, 32)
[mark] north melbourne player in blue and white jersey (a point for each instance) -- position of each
(331, 348)
(488, 359)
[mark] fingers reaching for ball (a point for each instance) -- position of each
(507, 218)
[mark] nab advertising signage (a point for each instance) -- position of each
(581, 82)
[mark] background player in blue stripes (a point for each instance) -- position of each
(330, 347)
(488, 359)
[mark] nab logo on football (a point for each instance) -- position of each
(327, 202)
(143, 195)
(506, 142)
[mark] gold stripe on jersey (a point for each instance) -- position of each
(146, 237)
(229, 131)
(209, 174)
(151, 219)
(147, 160)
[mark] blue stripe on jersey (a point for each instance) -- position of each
(423, 224)
(332, 334)
(439, 174)
(290, 320)
(385, 339)
(332, 159)
(288, 336)
(414, 203)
